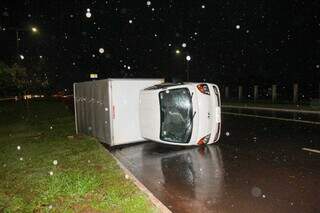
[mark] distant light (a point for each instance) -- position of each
(148, 3)
(152, 9)
(237, 26)
(169, 44)
(101, 50)
(129, 68)
(188, 58)
(41, 57)
(88, 9)
(178, 52)
(130, 21)
(184, 45)
(21, 57)
(203, 6)
(93, 55)
(195, 33)
(93, 75)
(34, 29)
(317, 66)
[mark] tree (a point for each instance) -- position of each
(13, 80)
(5, 80)
(19, 78)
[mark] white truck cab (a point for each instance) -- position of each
(181, 114)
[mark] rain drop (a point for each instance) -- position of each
(101, 50)
(256, 191)
(88, 14)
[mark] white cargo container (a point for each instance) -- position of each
(109, 109)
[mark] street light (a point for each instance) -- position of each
(18, 30)
(34, 29)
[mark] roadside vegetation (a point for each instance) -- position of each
(44, 167)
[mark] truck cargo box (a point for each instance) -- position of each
(109, 109)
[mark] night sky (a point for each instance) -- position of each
(230, 42)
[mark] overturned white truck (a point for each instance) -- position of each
(109, 109)
(124, 111)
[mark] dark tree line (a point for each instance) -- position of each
(17, 80)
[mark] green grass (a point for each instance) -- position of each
(85, 179)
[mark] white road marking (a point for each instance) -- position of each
(311, 150)
(273, 109)
(272, 118)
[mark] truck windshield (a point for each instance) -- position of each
(176, 115)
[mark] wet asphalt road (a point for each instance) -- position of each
(309, 117)
(257, 166)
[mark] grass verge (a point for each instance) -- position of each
(45, 168)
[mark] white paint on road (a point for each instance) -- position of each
(272, 118)
(273, 109)
(311, 150)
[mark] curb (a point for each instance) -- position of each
(156, 202)
(272, 109)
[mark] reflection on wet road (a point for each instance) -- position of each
(258, 165)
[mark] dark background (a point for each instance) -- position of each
(278, 41)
